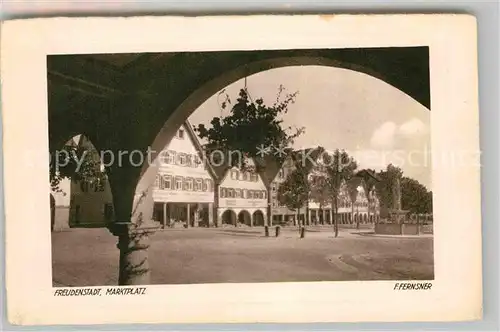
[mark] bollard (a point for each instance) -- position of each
(266, 230)
(278, 231)
(302, 232)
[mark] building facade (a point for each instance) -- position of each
(353, 205)
(81, 203)
(184, 189)
(189, 192)
(242, 197)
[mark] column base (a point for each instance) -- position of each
(133, 243)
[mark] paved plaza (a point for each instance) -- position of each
(89, 257)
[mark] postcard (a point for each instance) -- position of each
(221, 169)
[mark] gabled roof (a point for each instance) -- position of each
(199, 149)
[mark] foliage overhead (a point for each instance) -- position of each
(250, 127)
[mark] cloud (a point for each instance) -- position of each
(412, 127)
(388, 135)
(383, 136)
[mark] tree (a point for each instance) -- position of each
(336, 167)
(369, 183)
(415, 197)
(320, 192)
(294, 191)
(385, 188)
(75, 162)
(252, 128)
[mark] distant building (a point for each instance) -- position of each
(348, 211)
(242, 197)
(190, 192)
(91, 201)
(83, 203)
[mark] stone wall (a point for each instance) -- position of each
(397, 229)
(388, 229)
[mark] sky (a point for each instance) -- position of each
(343, 109)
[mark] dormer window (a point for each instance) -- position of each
(180, 134)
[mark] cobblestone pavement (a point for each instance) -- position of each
(85, 257)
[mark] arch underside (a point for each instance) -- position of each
(95, 95)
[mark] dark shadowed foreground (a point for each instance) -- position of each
(89, 257)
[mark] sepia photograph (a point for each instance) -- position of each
(242, 169)
(254, 166)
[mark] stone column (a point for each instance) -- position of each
(133, 225)
(133, 243)
(210, 214)
(330, 211)
(197, 215)
(188, 215)
(164, 215)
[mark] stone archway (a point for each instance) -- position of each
(124, 108)
(245, 218)
(258, 218)
(229, 217)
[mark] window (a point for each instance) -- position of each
(180, 133)
(157, 181)
(246, 176)
(237, 193)
(167, 182)
(250, 194)
(178, 182)
(197, 161)
(170, 157)
(264, 194)
(244, 193)
(189, 182)
(205, 185)
(210, 185)
(273, 188)
(281, 173)
(223, 192)
(185, 184)
(181, 159)
(190, 160)
(230, 192)
(198, 184)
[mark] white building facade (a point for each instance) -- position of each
(242, 198)
(184, 189)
